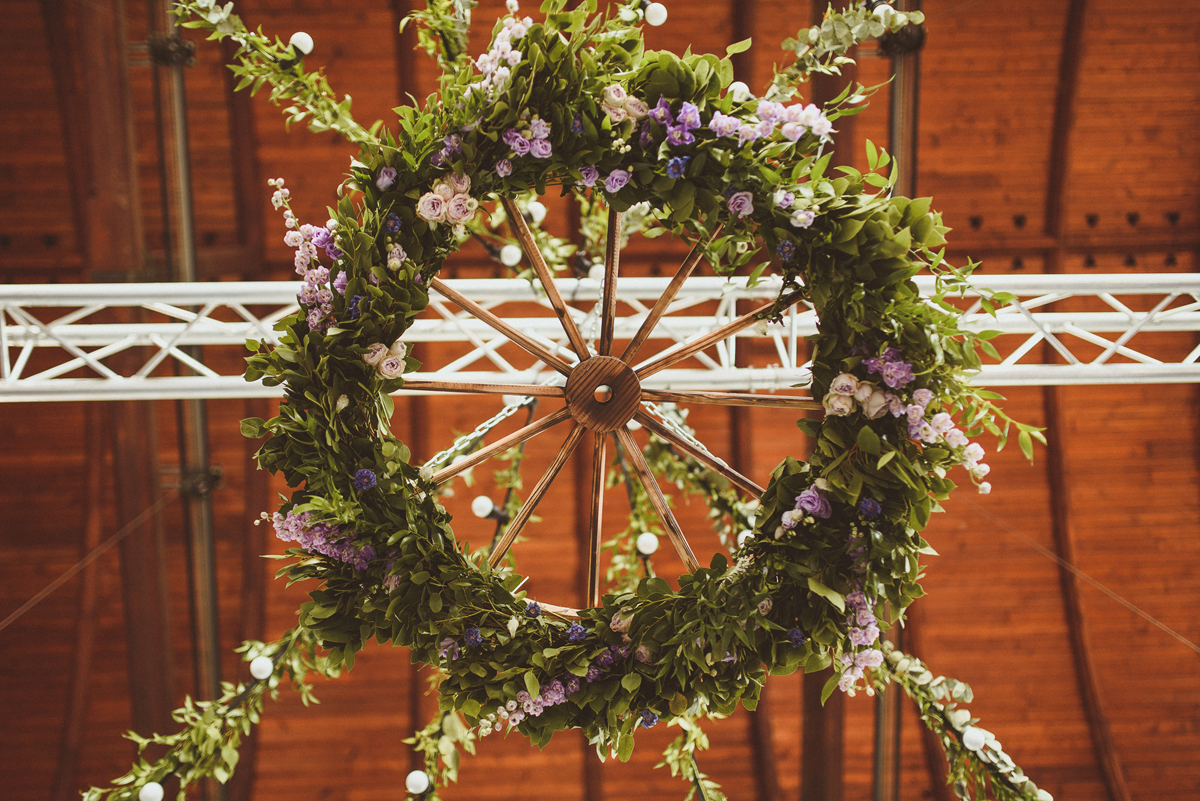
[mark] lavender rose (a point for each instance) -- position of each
(741, 203)
(391, 367)
(589, 175)
(431, 207)
(540, 148)
(460, 183)
(813, 502)
(504, 168)
(615, 181)
(387, 177)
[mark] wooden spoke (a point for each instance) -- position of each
(525, 237)
(735, 478)
(669, 358)
(612, 258)
(674, 532)
(517, 337)
(537, 390)
(595, 535)
(535, 496)
(660, 305)
(729, 399)
(501, 445)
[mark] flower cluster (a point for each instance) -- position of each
(863, 634)
(515, 710)
(810, 504)
(530, 137)
(388, 362)
(449, 202)
(322, 538)
(619, 105)
(497, 64)
(316, 294)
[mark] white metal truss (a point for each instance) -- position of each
(57, 341)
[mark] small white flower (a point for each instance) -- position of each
(513, 623)
(985, 487)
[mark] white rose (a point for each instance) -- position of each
(460, 183)
(863, 391)
(636, 108)
(443, 190)
(875, 406)
(615, 113)
(838, 405)
(398, 349)
(844, 384)
(391, 367)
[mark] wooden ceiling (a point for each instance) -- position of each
(1056, 135)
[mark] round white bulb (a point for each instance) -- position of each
(596, 272)
(740, 92)
(482, 506)
(536, 212)
(647, 543)
(261, 667)
(510, 255)
(973, 739)
(656, 14)
(416, 782)
(883, 10)
(302, 42)
(151, 791)
(743, 536)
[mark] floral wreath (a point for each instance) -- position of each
(576, 102)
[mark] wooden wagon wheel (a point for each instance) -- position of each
(603, 393)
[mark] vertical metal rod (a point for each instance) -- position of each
(195, 475)
(906, 67)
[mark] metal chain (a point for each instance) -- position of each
(682, 431)
(480, 431)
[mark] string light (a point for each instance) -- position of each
(417, 782)
(151, 791)
(261, 667)
(302, 42)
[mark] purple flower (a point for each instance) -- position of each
(869, 507)
(605, 660)
(796, 637)
(593, 673)
(678, 135)
(803, 218)
(321, 237)
(589, 175)
(340, 282)
(540, 148)
(533, 609)
(504, 168)
(391, 223)
(812, 500)
(689, 116)
(897, 374)
(577, 124)
(572, 686)
(923, 397)
(520, 145)
(448, 649)
(786, 250)
(662, 112)
(741, 203)
(364, 480)
(510, 136)
(646, 137)
(333, 251)
(438, 158)
(356, 306)
(386, 177)
(576, 633)
(648, 719)
(724, 124)
(539, 128)
(473, 637)
(453, 144)
(615, 181)
(677, 165)
(747, 133)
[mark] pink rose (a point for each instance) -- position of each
(838, 405)
(376, 352)
(391, 367)
(460, 183)
(636, 109)
(460, 209)
(863, 391)
(615, 113)
(621, 620)
(443, 189)
(844, 384)
(615, 95)
(431, 207)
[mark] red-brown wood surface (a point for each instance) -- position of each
(1128, 200)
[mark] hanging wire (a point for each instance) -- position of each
(87, 560)
(1063, 563)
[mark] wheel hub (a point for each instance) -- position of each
(603, 393)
